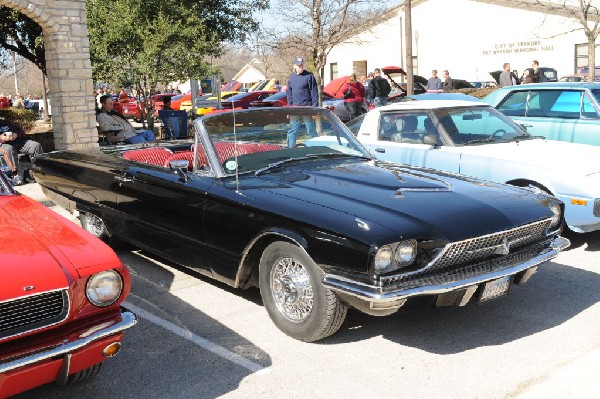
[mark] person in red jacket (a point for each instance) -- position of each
(354, 96)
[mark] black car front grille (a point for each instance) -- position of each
(493, 246)
(33, 312)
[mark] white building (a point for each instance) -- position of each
(469, 38)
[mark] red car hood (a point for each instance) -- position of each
(334, 88)
(40, 249)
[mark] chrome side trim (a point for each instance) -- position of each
(128, 320)
(372, 293)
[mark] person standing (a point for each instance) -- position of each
(379, 88)
(448, 82)
(301, 91)
(528, 76)
(353, 96)
(434, 83)
(536, 77)
(506, 76)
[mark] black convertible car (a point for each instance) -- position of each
(319, 226)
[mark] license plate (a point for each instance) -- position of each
(495, 289)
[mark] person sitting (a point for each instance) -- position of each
(116, 127)
(167, 103)
(13, 141)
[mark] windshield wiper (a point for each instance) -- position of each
(480, 141)
(283, 162)
(526, 137)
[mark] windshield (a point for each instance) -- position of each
(238, 96)
(257, 139)
(276, 96)
(472, 125)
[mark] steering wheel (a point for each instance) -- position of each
(497, 132)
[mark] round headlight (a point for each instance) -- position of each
(556, 218)
(104, 288)
(406, 252)
(383, 259)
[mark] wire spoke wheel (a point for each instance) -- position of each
(293, 293)
(292, 289)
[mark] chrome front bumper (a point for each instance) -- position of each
(382, 294)
(128, 319)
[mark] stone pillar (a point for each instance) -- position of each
(70, 85)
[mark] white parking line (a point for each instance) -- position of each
(198, 340)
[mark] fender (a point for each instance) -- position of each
(252, 252)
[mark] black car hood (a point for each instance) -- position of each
(418, 202)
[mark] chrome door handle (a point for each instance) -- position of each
(382, 150)
(124, 178)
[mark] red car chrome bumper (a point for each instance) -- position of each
(57, 362)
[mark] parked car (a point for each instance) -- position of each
(276, 100)
(474, 139)
(234, 85)
(333, 98)
(317, 227)
(178, 99)
(157, 101)
(130, 109)
(60, 303)
(206, 103)
(243, 100)
(558, 111)
(399, 89)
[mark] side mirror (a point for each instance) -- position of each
(180, 166)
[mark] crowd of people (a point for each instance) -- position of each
(7, 101)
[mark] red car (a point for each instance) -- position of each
(60, 302)
(157, 100)
(276, 100)
(179, 98)
(243, 100)
(130, 109)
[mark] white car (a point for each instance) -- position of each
(474, 139)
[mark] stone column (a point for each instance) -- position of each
(70, 85)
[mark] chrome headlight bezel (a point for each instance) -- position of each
(556, 218)
(104, 288)
(393, 257)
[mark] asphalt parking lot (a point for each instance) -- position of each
(198, 338)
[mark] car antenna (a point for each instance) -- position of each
(235, 152)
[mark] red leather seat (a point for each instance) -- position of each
(154, 155)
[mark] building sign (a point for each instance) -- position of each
(525, 46)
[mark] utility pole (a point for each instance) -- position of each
(14, 59)
(409, 59)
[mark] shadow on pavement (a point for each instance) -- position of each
(591, 240)
(156, 363)
(554, 295)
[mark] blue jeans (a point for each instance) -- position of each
(296, 122)
(379, 101)
(144, 135)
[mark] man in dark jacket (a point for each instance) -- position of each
(379, 89)
(301, 91)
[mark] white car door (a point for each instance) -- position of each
(391, 137)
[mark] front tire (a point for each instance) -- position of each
(294, 296)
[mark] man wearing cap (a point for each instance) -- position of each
(116, 127)
(301, 91)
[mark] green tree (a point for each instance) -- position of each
(22, 35)
(143, 43)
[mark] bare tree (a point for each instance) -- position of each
(315, 27)
(585, 12)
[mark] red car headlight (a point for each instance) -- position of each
(104, 288)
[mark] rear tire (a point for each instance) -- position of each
(294, 296)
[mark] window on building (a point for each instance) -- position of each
(333, 70)
(359, 68)
(581, 59)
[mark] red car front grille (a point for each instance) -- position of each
(20, 315)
